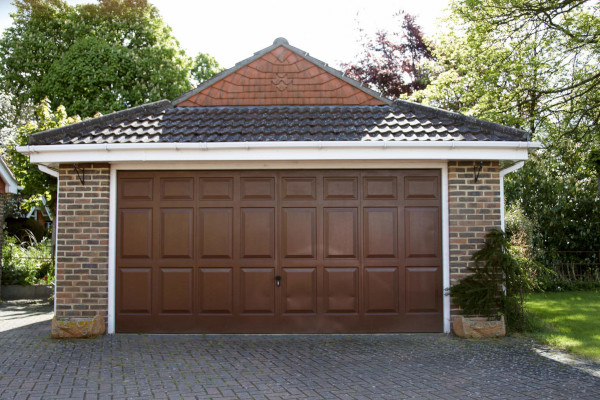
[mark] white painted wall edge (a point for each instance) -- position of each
(445, 248)
(112, 245)
(279, 151)
(504, 172)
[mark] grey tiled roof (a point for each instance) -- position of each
(160, 122)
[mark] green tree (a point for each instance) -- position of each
(533, 64)
(35, 183)
(92, 57)
(204, 67)
(519, 62)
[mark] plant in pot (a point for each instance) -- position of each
(493, 291)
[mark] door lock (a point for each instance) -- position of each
(278, 280)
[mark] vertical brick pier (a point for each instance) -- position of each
(82, 242)
(474, 209)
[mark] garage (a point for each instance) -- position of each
(279, 196)
(288, 251)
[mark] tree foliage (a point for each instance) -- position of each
(35, 183)
(392, 63)
(93, 57)
(533, 64)
(81, 60)
(204, 67)
(557, 190)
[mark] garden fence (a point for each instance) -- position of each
(578, 265)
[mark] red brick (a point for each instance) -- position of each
(82, 242)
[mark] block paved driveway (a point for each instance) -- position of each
(407, 366)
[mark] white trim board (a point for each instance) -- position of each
(278, 151)
(112, 253)
(503, 173)
(6, 176)
(445, 248)
(443, 166)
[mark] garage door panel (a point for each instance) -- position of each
(381, 290)
(341, 232)
(340, 188)
(136, 233)
(380, 232)
(257, 290)
(176, 233)
(422, 226)
(341, 290)
(176, 290)
(299, 232)
(177, 188)
(135, 290)
(421, 187)
(293, 188)
(136, 189)
(252, 188)
(257, 232)
(423, 292)
(380, 187)
(215, 233)
(215, 291)
(299, 290)
(216, 188)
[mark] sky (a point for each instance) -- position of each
(232, 31)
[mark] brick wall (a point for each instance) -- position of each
(474, 210)
(82, 242)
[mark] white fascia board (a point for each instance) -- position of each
(49, 171)
(11, 184)
(242, 151)
(503, 173)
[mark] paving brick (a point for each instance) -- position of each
(405, 366)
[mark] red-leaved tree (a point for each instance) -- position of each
(392, 63)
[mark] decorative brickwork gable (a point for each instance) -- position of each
(82, 242)
(474, 209)
(280, 77)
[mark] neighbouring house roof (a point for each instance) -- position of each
(10, 182)
(161, 122)
(43, 209)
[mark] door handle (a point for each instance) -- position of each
(278, 280)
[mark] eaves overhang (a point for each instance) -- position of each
(274, 151)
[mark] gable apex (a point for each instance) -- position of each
(280, 74)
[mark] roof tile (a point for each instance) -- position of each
(401, 121)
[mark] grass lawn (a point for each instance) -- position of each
(571, 321)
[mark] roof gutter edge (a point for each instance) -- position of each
(32, 149)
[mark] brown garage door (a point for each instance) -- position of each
(279, 251)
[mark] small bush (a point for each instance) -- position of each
(27, 263)
(498, 283)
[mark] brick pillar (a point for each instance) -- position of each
(82, 242)
(474, 209)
